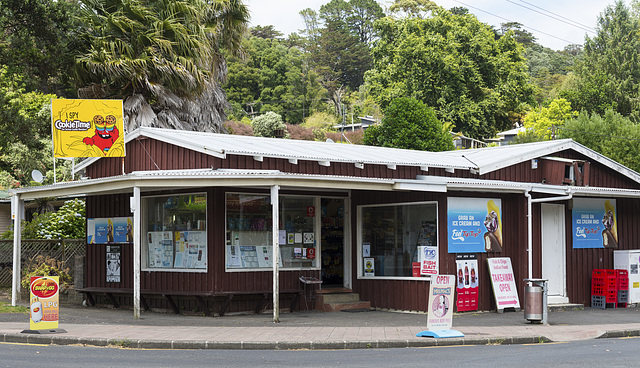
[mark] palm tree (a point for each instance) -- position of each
(162, 57)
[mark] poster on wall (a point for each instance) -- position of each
(87, 128)
(503, 283)
(113, 263)
(109, 230)
(441, 295)
(594, 223)
(467, 282)
(428, 260)
(474, 225)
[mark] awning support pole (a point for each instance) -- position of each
(137, 236)
(275, 204)
(16, 211)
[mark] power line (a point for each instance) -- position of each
(558, 15)
(509, 20)
(552, 17)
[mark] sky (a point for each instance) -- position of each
(555, 23)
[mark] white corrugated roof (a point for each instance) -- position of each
(480, 160)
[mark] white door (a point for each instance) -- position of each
(554, 266)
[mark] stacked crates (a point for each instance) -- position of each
(622, 284)
(603, 288)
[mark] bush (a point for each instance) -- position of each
(267, 124)
(46, 266)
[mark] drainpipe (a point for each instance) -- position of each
(530, 201)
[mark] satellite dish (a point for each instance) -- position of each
(37, 176)
(329, 140)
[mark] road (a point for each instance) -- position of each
(590, 353)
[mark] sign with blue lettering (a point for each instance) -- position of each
(474, 225)
(594, 223)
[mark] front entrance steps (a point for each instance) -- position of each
(337, 299)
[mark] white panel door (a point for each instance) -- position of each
(554, 266)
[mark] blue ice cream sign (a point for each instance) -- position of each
(474, 225)
(594, 223)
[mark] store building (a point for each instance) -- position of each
(358, 217)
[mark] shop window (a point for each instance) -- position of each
(393, 236)
(249, 240)
(175, 229)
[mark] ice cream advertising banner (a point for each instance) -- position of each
(467, 282)
(44, 302)
(503, 283)
(87, 128)
(594, 223)
(441, 296)
(474, 225)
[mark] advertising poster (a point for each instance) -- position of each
(110, 230)
(474, 225)
(87, 128)
(369, 267)
(428, 260)
(160, 245)
(467, 282)
(503, 283)
(441, 295)
(44, 302)
(113, 263)
(594, 223)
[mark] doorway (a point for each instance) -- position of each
(332, 242)
(554, 265)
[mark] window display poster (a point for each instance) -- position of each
(467, 282)
(113, 263)
(441, 293)
(260, 256)
(474, 225)
(428, 260)
(190, 249)
(503, 283)
(110, 230)
(369, 267)
(160, 245)
(594, 223)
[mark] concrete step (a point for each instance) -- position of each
(564, 307)
(339, 298)
(336, 307)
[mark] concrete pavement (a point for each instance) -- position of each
(314, 330)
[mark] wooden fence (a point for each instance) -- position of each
(62, 250)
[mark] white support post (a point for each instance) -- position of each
(137, 222)
(16, 212)
(275, 214)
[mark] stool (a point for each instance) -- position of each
(309, 280)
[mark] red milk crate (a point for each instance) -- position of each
(622, 280)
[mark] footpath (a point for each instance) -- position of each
(314, 330)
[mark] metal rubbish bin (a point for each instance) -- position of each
(535, 300)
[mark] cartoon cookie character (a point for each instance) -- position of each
(106, 133)
(493, 236)
(610, 233)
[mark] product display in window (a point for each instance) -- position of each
(176, 236)
(396, 236)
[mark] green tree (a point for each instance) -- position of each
(38, 38)
(164, 58)
(410, 124)
(611, 134)
(609, 72)
(454, 64)
(544, 122)
(358, 16)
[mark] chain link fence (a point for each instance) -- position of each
(63, 250)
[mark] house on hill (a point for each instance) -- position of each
(376, 222)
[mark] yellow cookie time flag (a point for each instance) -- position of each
(87, 128)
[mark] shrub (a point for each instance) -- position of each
(46, 266)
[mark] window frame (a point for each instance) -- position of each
(359, 236)
(144, 251)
